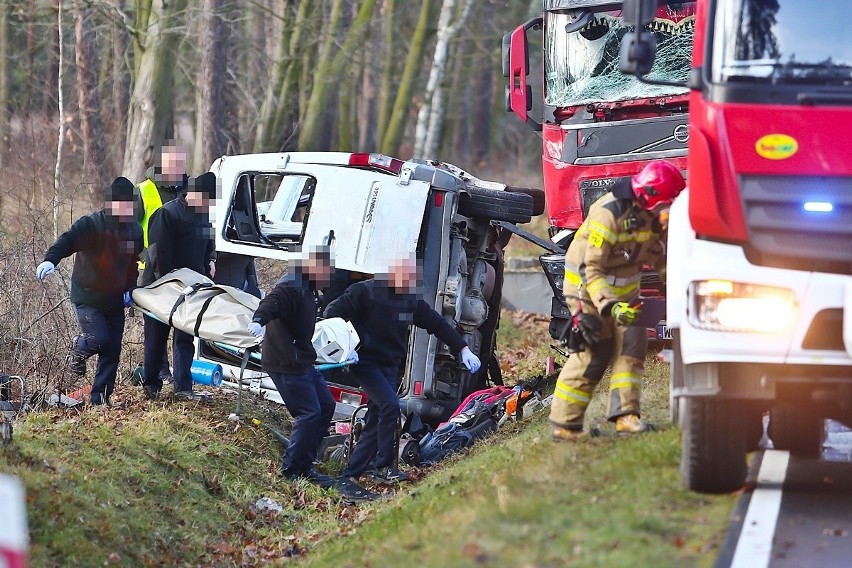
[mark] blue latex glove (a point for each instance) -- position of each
(255, 329)
(45, 269)
(470, 360)
(127, 299)
(353, 358)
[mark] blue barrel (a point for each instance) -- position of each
(206, 373)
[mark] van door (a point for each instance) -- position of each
(274, 208)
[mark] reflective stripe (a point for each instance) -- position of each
(625, 290)
(595, 286)
(639, 236)
(603, 231)
(572, 395)
(625, 381)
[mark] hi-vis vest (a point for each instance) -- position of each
(151, 201)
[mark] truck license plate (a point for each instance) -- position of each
(664, 331)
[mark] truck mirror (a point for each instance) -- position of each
(507, 44)
(639, 12)
(637, 53)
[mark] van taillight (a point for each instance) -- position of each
(379, 161)
(439, 199)
(418, 388)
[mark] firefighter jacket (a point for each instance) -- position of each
(604, 261)
(105, 266)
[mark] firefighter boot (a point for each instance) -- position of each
(561, 434)
(630, 424)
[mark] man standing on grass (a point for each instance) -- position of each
(164, 181)
(180, 236)
(382, 310)
(108, 243)
(286, 318)
(624, 230)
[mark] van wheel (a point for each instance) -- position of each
(714, 445)
(536, 194)
(798, 430)
(495, 204)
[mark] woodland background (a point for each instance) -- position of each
(89, 88)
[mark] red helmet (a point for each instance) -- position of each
(657, 185)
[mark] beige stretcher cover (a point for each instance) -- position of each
(192, 303)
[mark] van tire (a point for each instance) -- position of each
(796, 429)
(536, 194)
(496, 204)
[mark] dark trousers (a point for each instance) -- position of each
(378, 437)
(183, 347)
(101, 332)
(311, 405)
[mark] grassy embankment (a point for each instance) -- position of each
(177, 484)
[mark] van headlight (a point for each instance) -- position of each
(722, 305)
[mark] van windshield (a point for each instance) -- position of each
(581, 66)
(797, 41)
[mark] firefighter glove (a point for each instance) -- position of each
(590, 328)
(45, 269)
(127, 299)
(624, 314)
(255, 329)
(353, 358)
(470, 360)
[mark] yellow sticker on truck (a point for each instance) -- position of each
(776, 146)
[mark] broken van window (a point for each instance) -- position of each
(271, 208)
(582, 67)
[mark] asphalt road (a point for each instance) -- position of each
(795, 512)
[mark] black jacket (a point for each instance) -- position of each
(289, 313)
(382, 318)
(178, 237)
(105, 265)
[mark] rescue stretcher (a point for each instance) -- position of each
(220, 315)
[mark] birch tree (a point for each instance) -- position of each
(430, 118)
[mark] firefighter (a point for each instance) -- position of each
(623, 230)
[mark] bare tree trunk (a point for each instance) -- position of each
(271, 101)
(151, 101)
(4, 82)
(50, 86)
(28, 85)
(366, 109)
(61, 138)
(88, 100)
(385, 103)
(211, 140)
(462, 101)
(328, 72)
(430, 119)
(392, 136)
(120, 77)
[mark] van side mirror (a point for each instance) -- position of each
(637, 53)
(638, 13)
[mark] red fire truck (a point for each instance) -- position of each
(597, 124)
(760, 244)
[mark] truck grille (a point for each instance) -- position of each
(784, 234)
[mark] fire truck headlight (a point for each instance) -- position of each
(722, 305)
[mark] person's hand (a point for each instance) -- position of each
(212, 269)
(353, 358)
(624, 314)
(127, 299)
(470, 360)
(45, 269)
(255, 329)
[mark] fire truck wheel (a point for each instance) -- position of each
(714, 445)
(496, 204)
(795, 429)
(536, 194)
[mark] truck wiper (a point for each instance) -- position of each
(824, 98)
